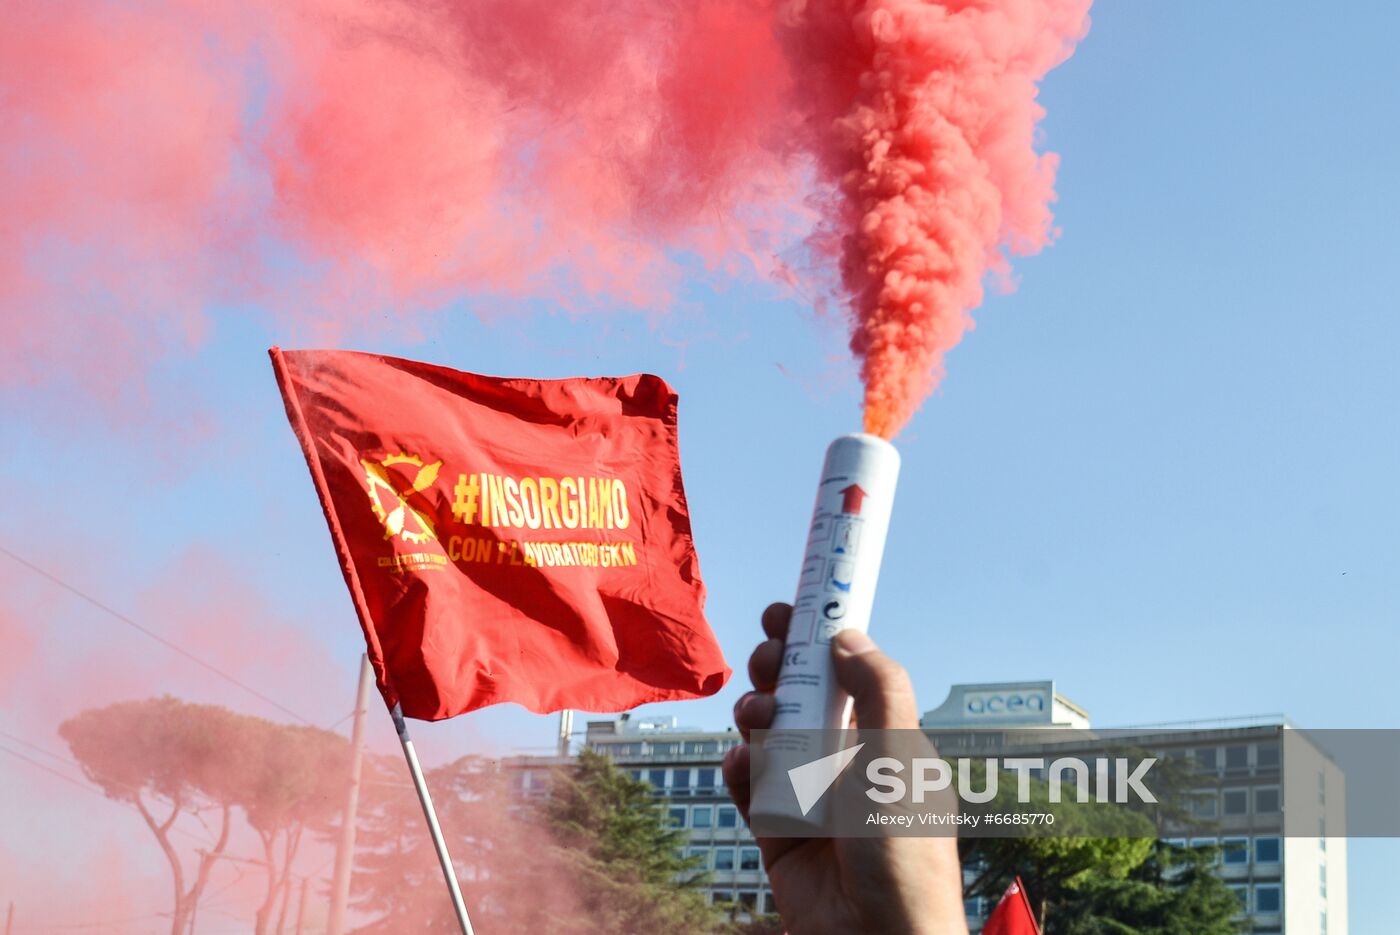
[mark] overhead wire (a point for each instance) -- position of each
(164, 641)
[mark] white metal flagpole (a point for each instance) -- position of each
(419, 784)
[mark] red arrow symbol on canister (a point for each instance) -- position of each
(853, 495)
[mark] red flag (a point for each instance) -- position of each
(1013, 915)
(504, 539)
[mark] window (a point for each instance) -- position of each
(748, 858)
(1175, 842)
(676, 816)
(724, 858)
(1267, 850)
(702, 746)
(635, 774)
(657, 777)
(1237, 757)
(1242, 894)
(1234, 851)
(1268, 897)
(623, 749)
(705, 779)
(1322, 880)
(1207, 758)
(1203, 842)
(1204, 804)
(1266, 801)
(770, 905)
(664, 749)
(702, 816)
(728, 816)
(748, 901)
(972, 908)
(680, 779)
(1267, 756)
(1236, 801)
(722, 896)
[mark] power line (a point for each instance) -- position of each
(82, 784)
(348, 716)
(168, 644)
(38, 749)
(49, 769)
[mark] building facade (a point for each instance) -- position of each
(1246, 774)
(682, 765)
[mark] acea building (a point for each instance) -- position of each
(1245, 775)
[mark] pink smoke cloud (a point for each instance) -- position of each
(166, 155)
(333, 160)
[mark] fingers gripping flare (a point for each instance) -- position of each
(881, 694)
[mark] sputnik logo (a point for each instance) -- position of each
(811, 780)
(391, 504)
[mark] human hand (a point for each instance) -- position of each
(894, 885)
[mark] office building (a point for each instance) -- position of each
(1246, 774)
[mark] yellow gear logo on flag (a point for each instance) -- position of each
(396, 517)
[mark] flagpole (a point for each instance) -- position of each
(345, 852)
(426, 800)
(566, 730)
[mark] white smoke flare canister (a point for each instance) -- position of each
(836, 591)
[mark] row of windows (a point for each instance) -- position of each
(1268, 897)
(1237, 851)
(703, 816)
(727, 858)
(1234, 758)
(705, 780)
(1211, 803)
(668, 748)
(746, 900)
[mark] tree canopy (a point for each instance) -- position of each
(168, 758)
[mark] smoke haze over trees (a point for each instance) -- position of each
(169, 759)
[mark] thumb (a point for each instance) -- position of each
(878, 686)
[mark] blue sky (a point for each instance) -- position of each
(1162, 471)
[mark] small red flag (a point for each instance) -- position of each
(503, 539)
(1013, 915)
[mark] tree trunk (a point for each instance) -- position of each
(207, 859)
(161, 830)
(264, 914)
(289, 853)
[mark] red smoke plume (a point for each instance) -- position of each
(329, 159)
(923, 118)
